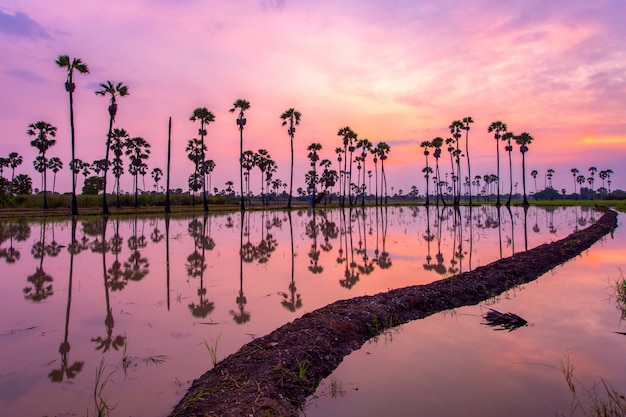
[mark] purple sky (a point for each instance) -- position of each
(394, 71)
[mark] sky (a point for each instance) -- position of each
(398, 71)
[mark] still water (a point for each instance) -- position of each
(124, 314)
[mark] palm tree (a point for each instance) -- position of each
(580, 180)
(383, 150)
(248, 162)
(4, 163)
(118, 141)
(427, 170)
(138, 150)
(437, 143)
(534, 174)
(549, 175)
(509, 148)
(603, 175)
(348, 138)
(43, 133)
(608, 176)
(291, 116)
(15, 160)
(205, 117)
(71, 65)
(195, 149)
(157, 174)
(241, 105)
(498, 128)
(467, 121)
(113, 90)
(455, 128)
(263, 161)
(524, 140)
(574, 172)
(55, 164)
(592, 172)
(313, 157)
(366, 147)
(209, 166)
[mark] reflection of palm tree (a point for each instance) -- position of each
(105, 343)
(293, 300)
(242, 316)
(314, 254)
(241, 105)
(195, 268)
(67, 370)
(41, 281)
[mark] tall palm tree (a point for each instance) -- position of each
(498, 128)
(313, 157)
(241, 106)
(534, 174)
(248, 162)
(348, 138)
(467, 121)
(383, 150)
(291, 116)
(455, 129)
(509, 148)
(574, 172)
(339, 151)
(366, 147)
(71, 65)
(437, 143)
(113, 90)
(43, 132)
(205, 117)
(55, 164)
(427, 170)
(195, 149)
(523, 140)
(608, 176)
(157, 174)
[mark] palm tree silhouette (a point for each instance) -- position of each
(43, 133)
(205, 117)
(118, 142)
(437, 143)
(113, 90)
(574, 172)
(71, 65)
(55, 164)
(467, 121)
(509, 148)
(498, 128)
(241, 105)
(348, 138)
(524, 140)
(291, 116)
(138, 150)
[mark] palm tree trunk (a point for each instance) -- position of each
(508, 202)
(498, 172)
(291, 174)
(243, 205)
(167, 191)
(74, 201)
(105, 205)
(45, 191)
(524, 177)
(469, 171)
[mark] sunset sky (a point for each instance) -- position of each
(398, 71)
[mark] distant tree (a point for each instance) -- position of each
(157, 174)
(383, 150)
(466, 122)
(195, 151)
(22, 184)
(509, 148)
(312, 176)
(534, 174)
(205, 117)
(427, 170)
(118, 142)
(574, 172)
(348, 143)
(55, 164)
(592, 174)
(455, 129)
(138, 151)
(498, 128)
(437, 143)
(43, 132)
(93, 185)
(366, 147)
(524, 140)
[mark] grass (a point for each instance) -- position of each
(602, 400)
(620, 294)
(102, 379)
(212, 349)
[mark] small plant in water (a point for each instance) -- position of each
(101, 403)
(620, 294)
(212, 349)
(600, 401)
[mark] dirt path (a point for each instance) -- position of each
(273, 375)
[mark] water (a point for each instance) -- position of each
(151, 307)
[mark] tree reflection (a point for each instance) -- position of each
(311, 232)
(18, 231)
(196, 265)
(351, 274)
(41, 281)
(293, 300)
(136, 267)
(100, 245)
(241, 316)
(66, 370)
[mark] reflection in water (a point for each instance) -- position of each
(279, 257)
(66, 370)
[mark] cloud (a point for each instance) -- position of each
(24, 75)
(21, 25)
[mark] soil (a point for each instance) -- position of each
(273, 375)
